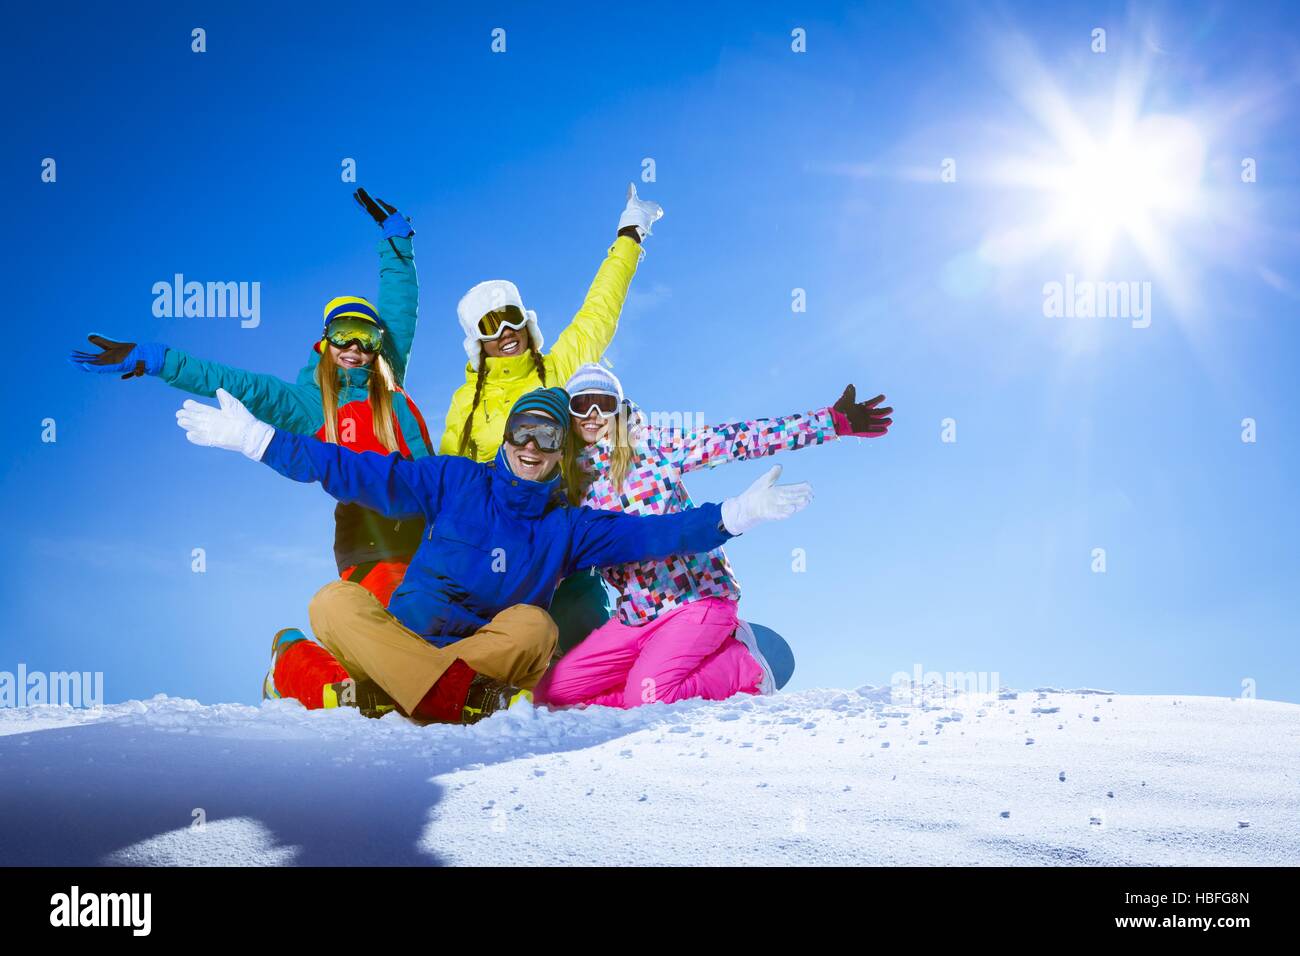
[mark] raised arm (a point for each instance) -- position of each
(586, 338)
(399, 288)
(389, 484)
(295, 407)
(399, 300)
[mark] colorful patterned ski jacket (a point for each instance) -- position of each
(360, 535)
(584, 340)
(494, 540)
(654, 486)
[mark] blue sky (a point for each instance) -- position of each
(779, 170)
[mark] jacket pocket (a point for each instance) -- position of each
(473, 569)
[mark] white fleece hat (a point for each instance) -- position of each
(488, 297)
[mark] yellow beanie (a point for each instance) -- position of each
(352, 306)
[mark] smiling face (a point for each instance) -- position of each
(510, 342)
(592, 428)
(530, 462)
(350, 357)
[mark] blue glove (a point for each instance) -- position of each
(394, 224)
(397, 226)
(125, 357)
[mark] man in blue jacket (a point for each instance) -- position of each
(468, 625)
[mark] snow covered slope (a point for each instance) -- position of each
(819, 777)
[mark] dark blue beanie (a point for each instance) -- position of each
(554, 401)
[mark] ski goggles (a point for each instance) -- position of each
(347, 331)
(497, 321)
(546, 433)
(580, 405)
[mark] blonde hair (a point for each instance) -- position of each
(621, 455)
(379, 394)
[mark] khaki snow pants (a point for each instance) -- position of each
(515, 646)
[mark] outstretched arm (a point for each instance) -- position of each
(389, 484)
(604, 538)
(713, 445)
(290, 406)
(758, 438)
(293, 407)
(587, 337)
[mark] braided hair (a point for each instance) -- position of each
(539, 363)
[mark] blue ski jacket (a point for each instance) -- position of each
(493, 540)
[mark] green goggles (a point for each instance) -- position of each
(546, 433)
(347, 331)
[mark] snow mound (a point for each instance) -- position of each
(236, 842)
(818, 777)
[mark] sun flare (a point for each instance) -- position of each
(1137, 183)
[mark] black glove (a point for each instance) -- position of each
(385, 215)
(128, 357)
(862, 419)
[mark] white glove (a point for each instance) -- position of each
(232, 426)
(764, 500)
(641, 213)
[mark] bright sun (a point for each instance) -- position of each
(1138, 183)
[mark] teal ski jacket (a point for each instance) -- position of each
(361, 535)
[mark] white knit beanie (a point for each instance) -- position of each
(488, 297)
(594, 377)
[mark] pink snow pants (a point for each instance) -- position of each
(687, 652)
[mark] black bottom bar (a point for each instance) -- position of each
(954, 903)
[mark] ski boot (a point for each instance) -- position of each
(464, 696)
(486, 696)
(284, 638)
(365, 695)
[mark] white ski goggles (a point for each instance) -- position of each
(581, 405)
